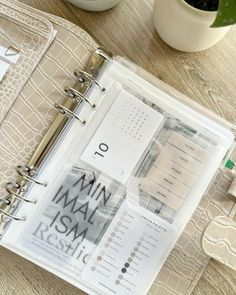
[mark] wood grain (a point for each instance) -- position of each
(208, 77)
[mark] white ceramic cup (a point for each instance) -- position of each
(184, 27)
(95, 5)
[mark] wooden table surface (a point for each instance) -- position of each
(208, 77)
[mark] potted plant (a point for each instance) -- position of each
(193, 25)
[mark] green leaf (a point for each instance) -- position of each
(226, 13)
(230, 164)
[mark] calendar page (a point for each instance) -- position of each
(122, 137)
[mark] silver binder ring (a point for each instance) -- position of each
(81, 74)
(5, 202)
(103, 54)
(73, 93)
(10, 216)
(65, 111)
(11, 187)
(27, 173)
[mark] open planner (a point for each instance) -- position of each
(111, 187)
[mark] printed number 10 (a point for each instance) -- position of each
(103, 148)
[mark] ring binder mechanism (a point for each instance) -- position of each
(5, 202)
(65, 111)
(28, 173)
(81, 74)
(11, 217)
(75, 94)
(104, 54)
(86, 79)
(10, 186)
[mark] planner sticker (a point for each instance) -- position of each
(175, 171)
(130, 253)
(122, 137)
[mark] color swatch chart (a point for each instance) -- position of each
(129, 254)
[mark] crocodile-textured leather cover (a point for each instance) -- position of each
(34, 35)
(37, 81)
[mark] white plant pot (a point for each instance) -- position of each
(184, 27)
(95, 5)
